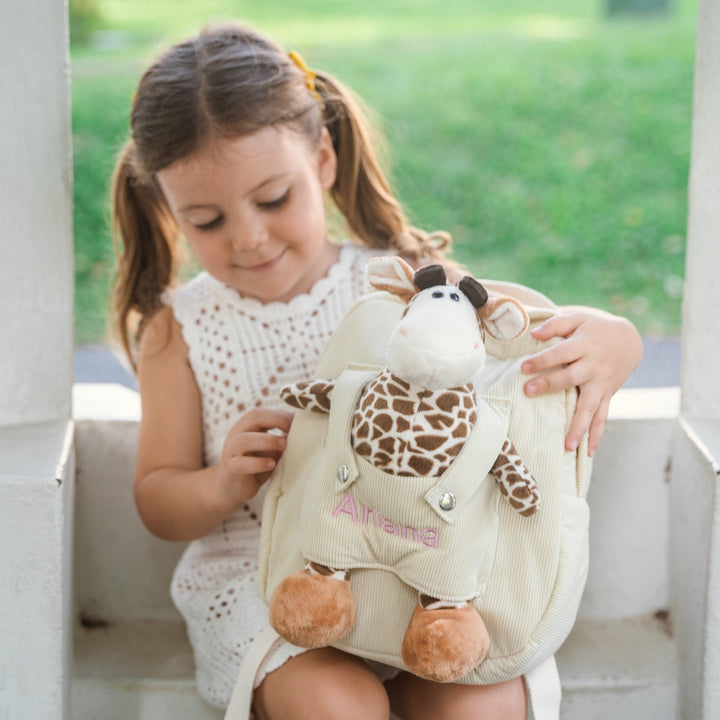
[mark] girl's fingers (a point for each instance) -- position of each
(246, 443)
(597, 427)
(558, 326)
(563, 353)
(568, 376)
(589, 401)
(244, 465)
(578, 427)
(259, 419)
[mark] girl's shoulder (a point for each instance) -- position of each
(161, 336)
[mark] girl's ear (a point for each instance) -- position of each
(327, 160)
(393, 275)
(504, 318)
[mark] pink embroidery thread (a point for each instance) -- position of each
(429, 537)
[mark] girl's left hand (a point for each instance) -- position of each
(597, 354)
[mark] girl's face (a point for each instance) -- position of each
(252, 210)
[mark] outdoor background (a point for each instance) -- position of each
(550, 137)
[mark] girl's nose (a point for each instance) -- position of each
(249, 235)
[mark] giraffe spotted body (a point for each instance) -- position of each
(408, 430)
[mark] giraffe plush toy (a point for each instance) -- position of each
(418, 417)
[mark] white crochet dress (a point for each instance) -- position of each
(242, 352)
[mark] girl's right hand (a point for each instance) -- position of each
(177, 495)
(249, 455)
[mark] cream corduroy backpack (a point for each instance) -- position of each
(536, 569)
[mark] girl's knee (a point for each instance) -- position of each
(420, 699)
(351, 696)
(322, 685)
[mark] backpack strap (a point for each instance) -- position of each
(348, 387)
(239, 707)
(544, 690)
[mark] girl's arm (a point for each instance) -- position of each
(597, 354)
(177, 497)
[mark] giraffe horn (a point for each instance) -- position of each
(429, 276)
(473, 291)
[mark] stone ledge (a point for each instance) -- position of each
(624, 669)
(37, 452)
(105, 401)
(661, 403)
(110, 401)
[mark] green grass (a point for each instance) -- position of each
(552, 142)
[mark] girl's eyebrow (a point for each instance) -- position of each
(259, 186)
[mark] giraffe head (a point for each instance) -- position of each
(438, 342)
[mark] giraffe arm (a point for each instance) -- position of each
(515, 480)
(313, 395)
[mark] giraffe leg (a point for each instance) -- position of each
(313, 607)
(444, 641)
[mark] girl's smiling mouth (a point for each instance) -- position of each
(263, 266)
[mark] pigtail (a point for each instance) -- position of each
(361, 191)
(146, 249)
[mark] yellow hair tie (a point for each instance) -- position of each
(309, 74)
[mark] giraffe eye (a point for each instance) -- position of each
(438, 294)
(454, 297)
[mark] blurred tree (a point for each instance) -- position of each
(85, 18)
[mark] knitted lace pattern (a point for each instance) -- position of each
(242, 352)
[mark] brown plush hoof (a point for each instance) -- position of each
(444, 644)
(312, 610)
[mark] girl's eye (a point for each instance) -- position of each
(215, 223)
(275, 204)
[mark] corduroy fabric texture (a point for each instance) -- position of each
(528, 585)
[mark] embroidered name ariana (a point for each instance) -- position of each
(372, 516)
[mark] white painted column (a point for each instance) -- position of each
(695, 521)
(36, 249)
(36, 362)
(701, 320)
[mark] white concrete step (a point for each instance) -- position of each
(142, 670)
(618, 663)
(622, 669)
(136, 670)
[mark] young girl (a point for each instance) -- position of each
(234, 147)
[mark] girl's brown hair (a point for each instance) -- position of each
(226, 83)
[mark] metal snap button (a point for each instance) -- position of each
(343, 473)
(447, 501)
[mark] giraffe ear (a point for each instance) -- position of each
(504, 318)
(393, 275)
